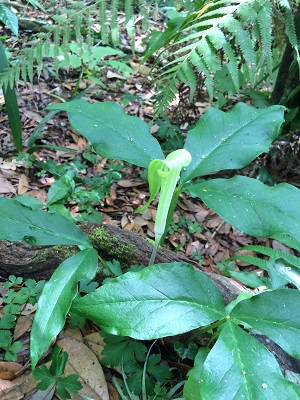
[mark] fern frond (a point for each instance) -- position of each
(288, 241)
(241, 29)
(274, 254)
(264, 19)
(114, 21)
(130, 21)
(258, 262)
(74, 23)
(144, 11)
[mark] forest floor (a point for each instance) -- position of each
(196, 231)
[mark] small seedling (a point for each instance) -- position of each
(53, 376)
(19, 293)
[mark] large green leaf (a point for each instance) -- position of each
(252, 207)
(239, 367)
(231, 140)
(112, 132)
(56, 299)
(275, 314)
(36, 227)
(161, 300)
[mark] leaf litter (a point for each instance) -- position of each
(197, 231)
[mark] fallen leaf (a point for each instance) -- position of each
(113, 393)
(84, 362)
(17, 388)
(23, 325)
(72, 332)
(23, 184)
(6, 186)
(9, 370)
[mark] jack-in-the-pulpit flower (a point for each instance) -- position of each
(163, 176)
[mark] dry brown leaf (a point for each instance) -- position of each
(9, 370)
(10, 165)
(29, 309)
(18, 387)
(129, 226)
(32, 115)
(124, 221)
(8, 391)
(128, 183)
(72, 332)
(96, 343)
(6, 186)
(23, 325)
(193, 247)
(279, 246)
(140, 221)
(113, 393)
(83, 362)
(23, 184)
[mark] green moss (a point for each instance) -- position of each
(110, 244)
(59, 252)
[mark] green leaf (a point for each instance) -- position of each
(249, 279)
(239, 367)
(158, 301)
(191, 387)
(112, 132)
(37, 227)
(160, 372)
(43, 374)
(11, 351)
(60, 189)
(288, 271)
(9, 19)
(120, 350)
(70, 382)
(231, 140)
(5, 339)
(11, 102)
(252, 207)
(275, 314)
(7, 321)
(56, 298)
(29, 201)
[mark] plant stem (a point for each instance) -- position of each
(207, 328)
(154, 251)
(106, 266)
(172, 207)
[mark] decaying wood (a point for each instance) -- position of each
(39, 262)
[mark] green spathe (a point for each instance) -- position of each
(163, 175)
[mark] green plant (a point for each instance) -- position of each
(140, 304)
(90, 61)
(53, 376)
(130, 354)
(282, 267)
(14, 300)
(187, 223)
(74, 26)
(71, 186)
(10, 20)
(234, 37)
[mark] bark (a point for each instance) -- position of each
(39, 262)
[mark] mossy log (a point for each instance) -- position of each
(39, 262)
